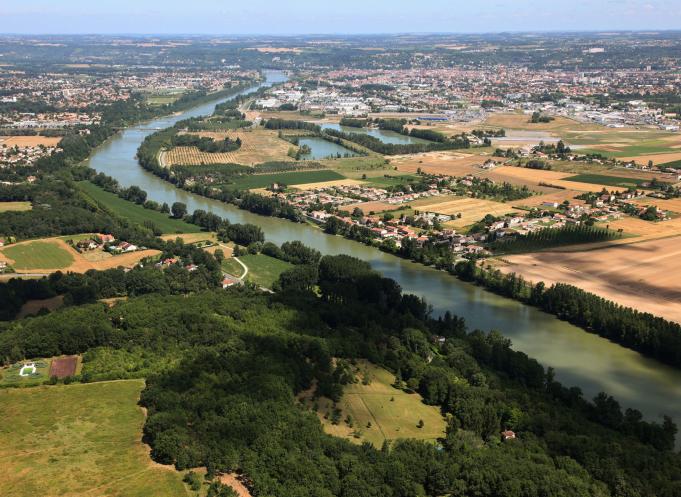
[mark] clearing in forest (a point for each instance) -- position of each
(15, 206)
(374, 410)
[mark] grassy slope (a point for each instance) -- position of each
(390, 419)
(136, 213)
(264, 270)
(38, 255)
(230, 266)
(78, 440)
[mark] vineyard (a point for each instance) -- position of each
(257, 146)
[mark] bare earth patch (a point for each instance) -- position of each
(30, 141)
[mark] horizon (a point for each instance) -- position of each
(353, 17)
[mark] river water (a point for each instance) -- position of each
(580, 358)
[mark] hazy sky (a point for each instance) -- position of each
(333, 16)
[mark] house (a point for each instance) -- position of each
(87, 245)
(229, 280)
(508, 435)
(106, 238)
(2, 242)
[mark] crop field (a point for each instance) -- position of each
(448, 162)
(378, 411)
(557, 196)
(522, 121)
(136, 213)
(471, 209)
(15, 206)
(257, 146)
(329, 184)
(607, 180)
(376, 206)
(29, 141)
(61, 367)
(79, 439)
(38, 255)
(532, 177)
(264, 270)
(253, 181)
(676, 164)
(390, 180)
(645, 275)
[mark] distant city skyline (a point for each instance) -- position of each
(348, 17)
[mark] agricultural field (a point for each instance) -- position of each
(15, 206)
(367, 207)
(607, 180)
(329, 184)
(136, 213)
(29, 141)
(165, 98)
(38, 255)
(471, 210)
(453, 163)
(62, 367)
(645, 275)
(254, 181)
(25, 374)
(378, 411)
(79, 439)
(532, 177)
(257, 146)
(263, 270)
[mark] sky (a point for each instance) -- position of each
(285, 17)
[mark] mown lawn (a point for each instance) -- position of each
(294, 178)
(264, 270)
(136, 213)
(80, 439)
(38, 255)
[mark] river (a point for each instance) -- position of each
(580, 358)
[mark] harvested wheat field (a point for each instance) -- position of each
(329, 184)
(451, 163)
(29, 141)
(522, 121)
(645, 276)
(673, 204)
(532, 177)
(376, 206)
(657, 159)
(647, 230)
(471, 210)
(257, 146)
(555, 195)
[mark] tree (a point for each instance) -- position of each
(179, 210)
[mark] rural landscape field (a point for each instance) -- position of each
(382, 260)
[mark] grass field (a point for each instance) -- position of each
(393, 413)
(298, 177)
(80, 439)
(38, 255)
(603, 179)
(15, 206)
(264, 270)
(230, 266)
(136, 213)
(676, 164)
